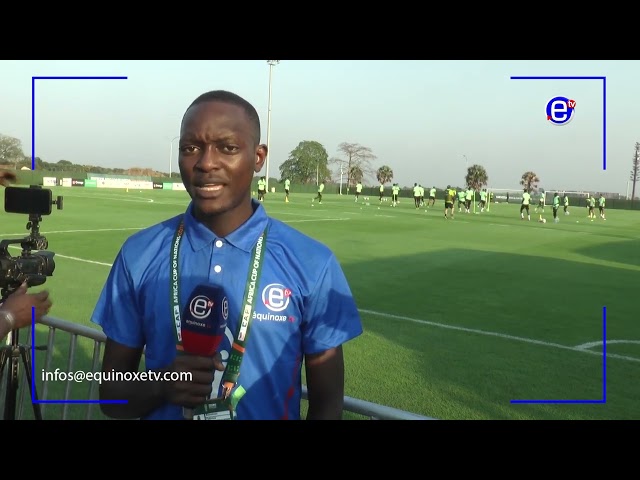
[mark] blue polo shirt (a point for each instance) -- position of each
(304, 304)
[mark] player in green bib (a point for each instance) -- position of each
(591, 205)
(565, 201)
(319, 196)
(483, 199)
(395, 191)
(432, 197)
(449, 196)
(461, 199)
(416, 195)
(526, 201)
(601, 202)
(556, 206)
(262, 188)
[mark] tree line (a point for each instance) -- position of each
(308, 163)
(12, 155)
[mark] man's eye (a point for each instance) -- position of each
(230, 149)
(188, 149)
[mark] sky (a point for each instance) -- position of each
(426, 119)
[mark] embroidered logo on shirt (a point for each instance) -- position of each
(275, 297)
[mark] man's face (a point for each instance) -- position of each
(218, 157)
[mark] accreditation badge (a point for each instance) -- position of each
(220, 408)
(215, 410)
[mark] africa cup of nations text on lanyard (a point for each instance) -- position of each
(222, 408)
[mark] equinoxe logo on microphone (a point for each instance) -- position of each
(225, 309)
(200, 307)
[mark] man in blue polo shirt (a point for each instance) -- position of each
(303, 309)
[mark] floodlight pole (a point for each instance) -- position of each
(271, 63)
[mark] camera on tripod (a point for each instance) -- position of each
(34, 268)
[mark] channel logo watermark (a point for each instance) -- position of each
(560, 110)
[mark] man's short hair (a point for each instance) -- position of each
(230, 97)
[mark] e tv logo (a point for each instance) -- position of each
(560, 110)
(276, 296)
(200, 307)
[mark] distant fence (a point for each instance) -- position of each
(107, 180)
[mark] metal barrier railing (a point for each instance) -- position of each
(370, 410)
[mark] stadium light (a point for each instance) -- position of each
(271, 63)
(466, 162)
(171, 153)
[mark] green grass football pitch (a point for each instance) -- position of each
(460, 316)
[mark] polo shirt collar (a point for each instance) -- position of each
(244, 237)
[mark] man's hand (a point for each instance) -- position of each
(7, 177)
(20, 303)
(193, 393)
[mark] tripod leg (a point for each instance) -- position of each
(26, 361)
(3, 360)
(4, 357)
(12, 377)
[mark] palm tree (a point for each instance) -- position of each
(476, 177)
(384, 174)
(529, 181)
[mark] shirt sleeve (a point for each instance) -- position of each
(117, 309)
(331, 316)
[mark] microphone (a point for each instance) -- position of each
(203, 323)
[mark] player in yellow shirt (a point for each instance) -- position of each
(449, 196)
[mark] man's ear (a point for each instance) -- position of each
(261, 156)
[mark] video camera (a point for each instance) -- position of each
(34, 268)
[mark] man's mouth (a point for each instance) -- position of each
(208, 190)
(209, 187)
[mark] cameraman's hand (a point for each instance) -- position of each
(196, 391)
(7, 177)
(20, 303)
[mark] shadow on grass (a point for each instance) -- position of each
(626, 252)
(411, 358)
(439, 338)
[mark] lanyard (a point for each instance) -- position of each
(232, 371)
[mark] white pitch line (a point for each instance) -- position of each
(73, 258)
(580, 348)
(316, 220)
(113, 197)
(609, 342)
(24, 234)
(83, 260)
(295, 213)
(499, 335)
(94, 230)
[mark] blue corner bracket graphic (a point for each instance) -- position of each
(604, 372)
(604, 106)
(33, 106)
